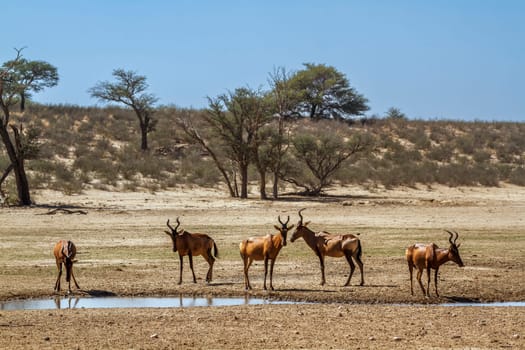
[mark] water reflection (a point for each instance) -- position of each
(75, 302)
(60, 303)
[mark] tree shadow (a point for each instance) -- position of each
(297, 197)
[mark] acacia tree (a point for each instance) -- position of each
(237, 118)
(323, 150)
(284, 99)
(324, 92)
(230, 132)
(129, 89)
(18, 79)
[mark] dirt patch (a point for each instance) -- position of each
(122, 250)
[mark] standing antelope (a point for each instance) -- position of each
(192, 244)
(65, 252)
(430, 256)
(326, 244)
(263, 248)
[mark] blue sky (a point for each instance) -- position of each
(454, 59)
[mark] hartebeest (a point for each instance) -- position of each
(263, 248)
(430, 256)
(326, 244)
(65, 252)
(193, 244)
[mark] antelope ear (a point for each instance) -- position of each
(277, 228)
(306, 223)
(168, 233)
(289, 228)
(457, 245)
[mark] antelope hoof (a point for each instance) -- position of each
(362, 284)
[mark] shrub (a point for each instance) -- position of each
(517, 176)
(441, 153)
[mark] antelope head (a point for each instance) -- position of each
(173, 233)
(284, 228)
(69, 253)
(301, 226)
(453, 250)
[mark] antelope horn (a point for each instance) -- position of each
(301, 221)
(450, 237)
(457, 236)
(283, 223)
(174, 230)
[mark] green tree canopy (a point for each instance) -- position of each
(324, 92)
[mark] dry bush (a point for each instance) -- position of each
(441, 153)
(90, 146)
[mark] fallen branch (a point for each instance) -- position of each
(65, 211)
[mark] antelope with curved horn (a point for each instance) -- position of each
(193, 244)
(65, 252)
(326, 244)
(264, 248)
(430, 256)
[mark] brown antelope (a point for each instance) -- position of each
(326, 244)
(192, 244)
(263, 248)
(430, 256)
(65, 252)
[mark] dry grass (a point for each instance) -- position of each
(123, 251)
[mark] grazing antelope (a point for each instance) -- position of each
(192, 244)
(326, 244)
(430, 256)
(65, 252)
(263, 248)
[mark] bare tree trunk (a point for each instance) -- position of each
(243, 168)
(17, 162)
(5, 175)
(275, 187)
(262, 184)
(143, 137)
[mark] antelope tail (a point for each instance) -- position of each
(359, 249)
(216, 250)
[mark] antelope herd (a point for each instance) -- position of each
(267, 248)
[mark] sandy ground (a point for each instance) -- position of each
(123, 251)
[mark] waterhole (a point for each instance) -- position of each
(165, 302)
(129, 302)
